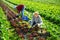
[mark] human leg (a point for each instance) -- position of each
(22, 12)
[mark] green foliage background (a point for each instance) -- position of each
(49, 10)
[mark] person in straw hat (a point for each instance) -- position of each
(36, 19)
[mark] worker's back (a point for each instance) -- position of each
(20, 8)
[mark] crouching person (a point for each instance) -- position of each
(36, 19)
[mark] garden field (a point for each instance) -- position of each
(54, 2)
(50, 15)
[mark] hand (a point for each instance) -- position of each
(38, 24)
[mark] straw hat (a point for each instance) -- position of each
(36, 13)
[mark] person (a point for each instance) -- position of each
(20, 9)
(36, 19)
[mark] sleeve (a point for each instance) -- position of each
(15, 6)
(32, 20)
(40, 20)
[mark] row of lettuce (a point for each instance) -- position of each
(4, 24)
(49, 12)
(6, 30)
(53, 2)
(52, 28)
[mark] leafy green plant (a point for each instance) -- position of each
(7, 32)
(44, 9)
(52, 28)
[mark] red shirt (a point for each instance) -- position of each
(19, 8)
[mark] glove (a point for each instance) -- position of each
(38, 24)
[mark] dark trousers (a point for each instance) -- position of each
(34, 23)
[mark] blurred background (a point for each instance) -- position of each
(48, 9)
